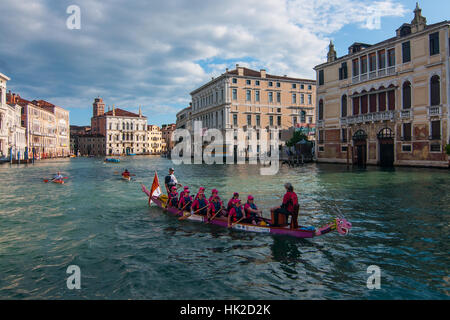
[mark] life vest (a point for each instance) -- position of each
(238, 214)
(173, 198)
(216, 206)
(251, 214)
(201, 205)
(172, 180)
(187, 200)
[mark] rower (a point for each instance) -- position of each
(214, 207)
(288, 207)
(200, 204)
(230, 203)
(185, 202)
(236, 212)
(200, 190)
(182, 192)
(252, 213)
(173, 197)
(126, 174)
(58, 176)
(170, 180)
(215, 193)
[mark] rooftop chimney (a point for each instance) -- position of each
(263, 73)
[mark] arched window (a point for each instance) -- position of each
(344, 106)
(385, 133)
(128, 126)
(435, 91)
(407, 95)
(360, 135)
(320, 109)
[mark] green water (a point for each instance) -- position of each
(126, 250)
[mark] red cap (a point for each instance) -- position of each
(214, 191)
(174, 188)
(186, 187)
(250, 197)
(235, 194)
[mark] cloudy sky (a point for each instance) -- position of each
(154, 53)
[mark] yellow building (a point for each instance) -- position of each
(155, 140)
(248, 99)
(387, 104)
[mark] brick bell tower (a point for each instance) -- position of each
(98, 107)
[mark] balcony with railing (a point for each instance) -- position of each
(435, 111)
(406, 114)
(374, 75)
(369, 117)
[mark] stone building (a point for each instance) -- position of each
(62, 126)
(125, 132)
(13, 141)
(91, 145)
(387, 104)
(247, 99)
(75, 133)
(167, 130)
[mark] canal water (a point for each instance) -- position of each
(126, 250)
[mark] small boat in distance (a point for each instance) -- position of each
(112, 160)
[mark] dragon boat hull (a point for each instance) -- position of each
(301, 232)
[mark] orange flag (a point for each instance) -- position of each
(155, 190)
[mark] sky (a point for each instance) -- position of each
(154, 53)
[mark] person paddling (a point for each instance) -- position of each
(182, 192)
(230, 203)
(252, 213)
(185, 202)
(236, 213)
(214, 208)
(58, 177)
(173, 197)
(126, 174)
(200, 205)
(290, 200)
(170, 180)
(215, 194)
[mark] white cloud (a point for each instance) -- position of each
(155, 53)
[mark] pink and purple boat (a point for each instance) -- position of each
(339, 224)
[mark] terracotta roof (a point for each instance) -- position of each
(121, 113)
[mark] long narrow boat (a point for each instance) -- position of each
(340, 224)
